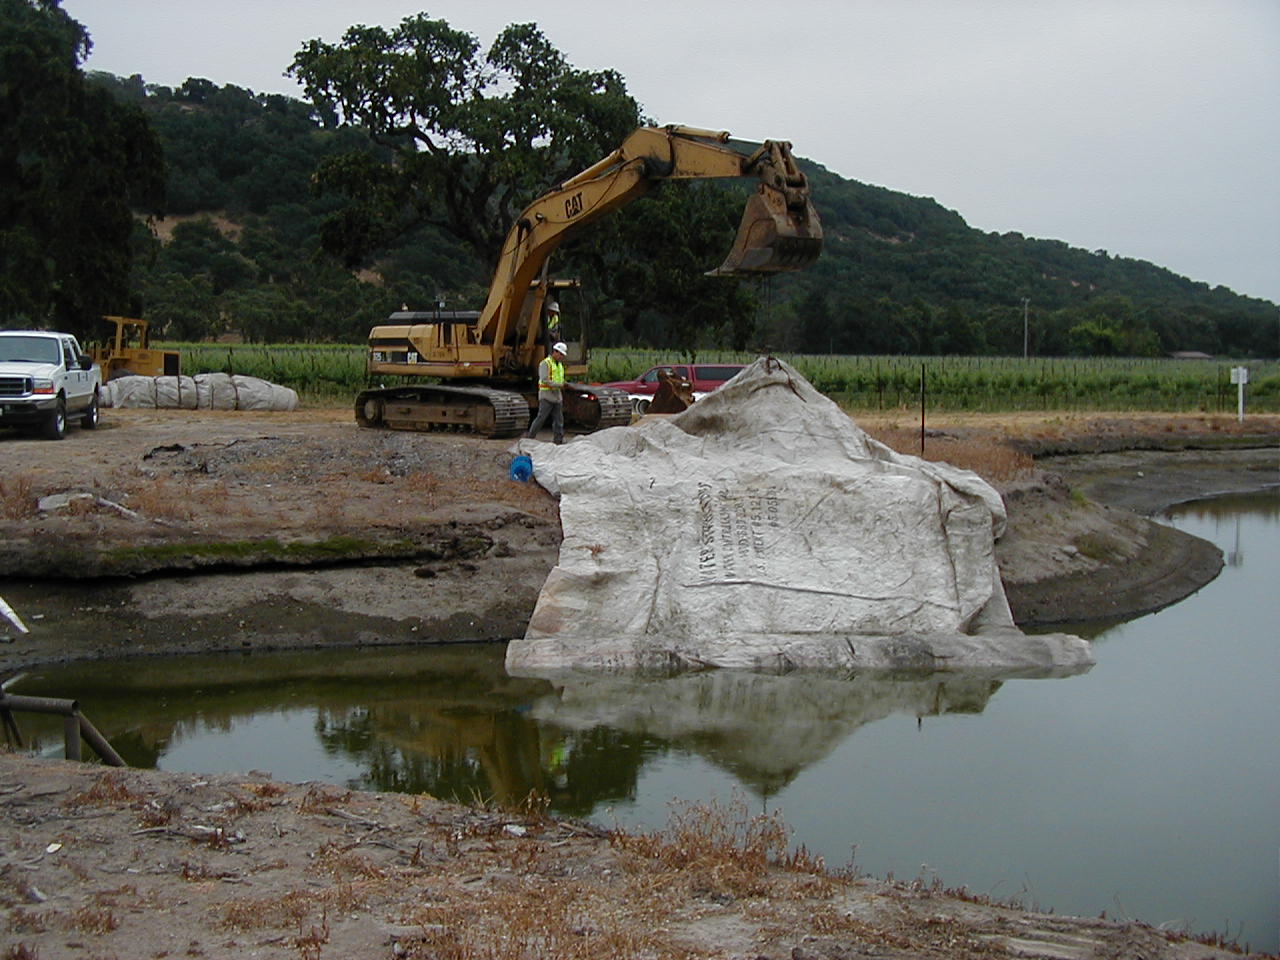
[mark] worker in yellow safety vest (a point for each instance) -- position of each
(550, 397)
(553, 320)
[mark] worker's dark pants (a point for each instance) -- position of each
(548, 408)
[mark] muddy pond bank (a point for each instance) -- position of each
(170, 533)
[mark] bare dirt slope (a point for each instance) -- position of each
(306, 530)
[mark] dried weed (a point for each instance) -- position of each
(265, 790)
(90, 920)
(17, 497)
(28, 921)
(993, 460)
(338, 861)
(431, 491)
(162, 499)
(718, 851)
(319, 797)
(297, 907)
(157, 814)
(108, 790)
(512, 922)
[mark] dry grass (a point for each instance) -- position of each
(430, 491)
(319, 798)
(523, 906)
(108, 791)
(28, 921)
(95, 920)
(719, 850)
(993, 460)
(17, 497)
(571, 920)
(162, 499)
(299, 907)
(265, 790)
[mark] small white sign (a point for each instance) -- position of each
(1239, 374)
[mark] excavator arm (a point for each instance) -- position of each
(779, 231)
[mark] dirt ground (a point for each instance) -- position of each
(186, 532)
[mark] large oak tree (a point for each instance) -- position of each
(465, 140)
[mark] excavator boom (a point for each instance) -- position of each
(779, 231)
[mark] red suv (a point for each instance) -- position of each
(705, 377)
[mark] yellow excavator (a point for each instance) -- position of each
(488, 360)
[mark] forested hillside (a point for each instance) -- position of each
(239, 251)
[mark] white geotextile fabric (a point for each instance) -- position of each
(762, 528)
(205, 391)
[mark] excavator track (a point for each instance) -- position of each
(595, 408)
(481, 410)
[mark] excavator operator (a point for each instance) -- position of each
(550, 399)
(552, 322)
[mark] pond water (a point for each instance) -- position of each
(1147, 787)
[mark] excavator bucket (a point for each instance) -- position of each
(773, 237)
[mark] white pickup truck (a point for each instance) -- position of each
(45, 378)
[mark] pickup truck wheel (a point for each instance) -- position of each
(55, 428)
(642, 407)
(90, 418)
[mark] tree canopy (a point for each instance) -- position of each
(474, 138)
(74, 165)
(466, 141)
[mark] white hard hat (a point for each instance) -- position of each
(553, 307)
(560, 348)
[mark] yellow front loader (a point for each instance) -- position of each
(128, 352)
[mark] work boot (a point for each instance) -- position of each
(559, 440)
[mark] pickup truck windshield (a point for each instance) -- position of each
(30, 350)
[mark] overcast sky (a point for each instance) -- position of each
(1149, 128)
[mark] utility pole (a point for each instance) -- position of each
(1025, 338)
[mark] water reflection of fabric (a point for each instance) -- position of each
(765, 729)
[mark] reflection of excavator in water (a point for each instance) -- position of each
(489, 360)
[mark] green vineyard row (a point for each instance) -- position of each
(334, 372)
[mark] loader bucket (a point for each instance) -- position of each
(772, 237)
